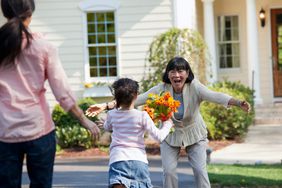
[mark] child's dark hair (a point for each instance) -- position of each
(124, 91)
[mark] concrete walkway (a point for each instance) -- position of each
(93, 173)
(263, 144)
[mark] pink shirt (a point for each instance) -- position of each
(24, 110)
(129, 127)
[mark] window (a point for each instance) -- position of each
(228, 42)
(102, 44)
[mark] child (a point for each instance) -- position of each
(128, 160)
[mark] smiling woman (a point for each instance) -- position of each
(177, 73)
(190, 129)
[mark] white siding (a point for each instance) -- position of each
(139, 22)
(61, 22)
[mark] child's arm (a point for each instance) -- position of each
(107, 123)
(156, 133)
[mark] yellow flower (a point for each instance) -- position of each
(88, 85)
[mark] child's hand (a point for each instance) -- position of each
(169, 121)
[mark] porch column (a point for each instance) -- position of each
(252, 49)
(185, 14)
(209, 32)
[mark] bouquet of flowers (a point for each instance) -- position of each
(161, 107)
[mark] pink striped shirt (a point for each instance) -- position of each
(24, 110)
(129, 127)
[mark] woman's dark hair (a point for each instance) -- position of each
(124, 91)
(11, 33)
(178, 63)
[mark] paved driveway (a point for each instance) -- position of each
(86, 173)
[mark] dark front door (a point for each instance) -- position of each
(276, 34)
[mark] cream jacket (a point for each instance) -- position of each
(191, 128)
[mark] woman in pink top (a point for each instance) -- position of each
(128, 160)
(27, 60)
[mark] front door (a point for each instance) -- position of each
(276, 34)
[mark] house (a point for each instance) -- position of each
(100, 40)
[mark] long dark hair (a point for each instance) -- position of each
(178, 63)
(11, 33)
(124, 91)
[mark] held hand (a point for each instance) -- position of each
(169, 120)
(95, 109)
(245, 106)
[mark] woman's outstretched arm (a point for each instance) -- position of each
(96, 109)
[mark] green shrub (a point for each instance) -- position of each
(231, 123)
(69, 132)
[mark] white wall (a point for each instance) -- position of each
(139, 23)
(61, 22)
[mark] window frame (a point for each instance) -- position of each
(91, 6)
(228, 42)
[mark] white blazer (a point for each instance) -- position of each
(192, 127)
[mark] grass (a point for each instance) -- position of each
(246, 175)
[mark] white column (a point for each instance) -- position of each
(209, 32)
(252, 49)
(185, 14)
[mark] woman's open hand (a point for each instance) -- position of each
(95, 109)
(245, 106)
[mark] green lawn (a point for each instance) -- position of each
(246, 175)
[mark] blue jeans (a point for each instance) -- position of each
(40, 156)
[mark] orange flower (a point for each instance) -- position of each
(161, 107)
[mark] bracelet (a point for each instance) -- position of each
(107, 108)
